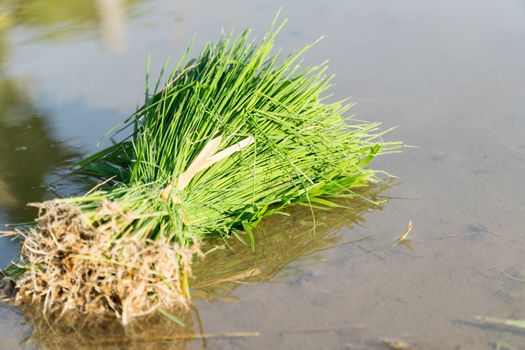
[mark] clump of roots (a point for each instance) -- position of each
(75, 267)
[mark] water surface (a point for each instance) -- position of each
(450, 74)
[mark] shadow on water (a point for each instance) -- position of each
(283, 243)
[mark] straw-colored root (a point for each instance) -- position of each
(73, 267)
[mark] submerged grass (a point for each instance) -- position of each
(235, 135)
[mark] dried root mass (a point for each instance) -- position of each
(73, 267)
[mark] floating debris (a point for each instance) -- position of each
(404, 236)
(394, 344)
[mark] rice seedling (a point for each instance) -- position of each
(234, 135)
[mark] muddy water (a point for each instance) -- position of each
(450, 74)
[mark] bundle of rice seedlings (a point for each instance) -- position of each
(276, 255)
(235, 135)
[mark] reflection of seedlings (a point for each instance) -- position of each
(283, 242)
(238, 278)
(154, 332)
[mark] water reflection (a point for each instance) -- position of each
(57, 19)
(29, 151)
(283, 243)
(155, 332)
(112, 24)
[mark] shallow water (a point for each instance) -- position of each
(450, 74)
